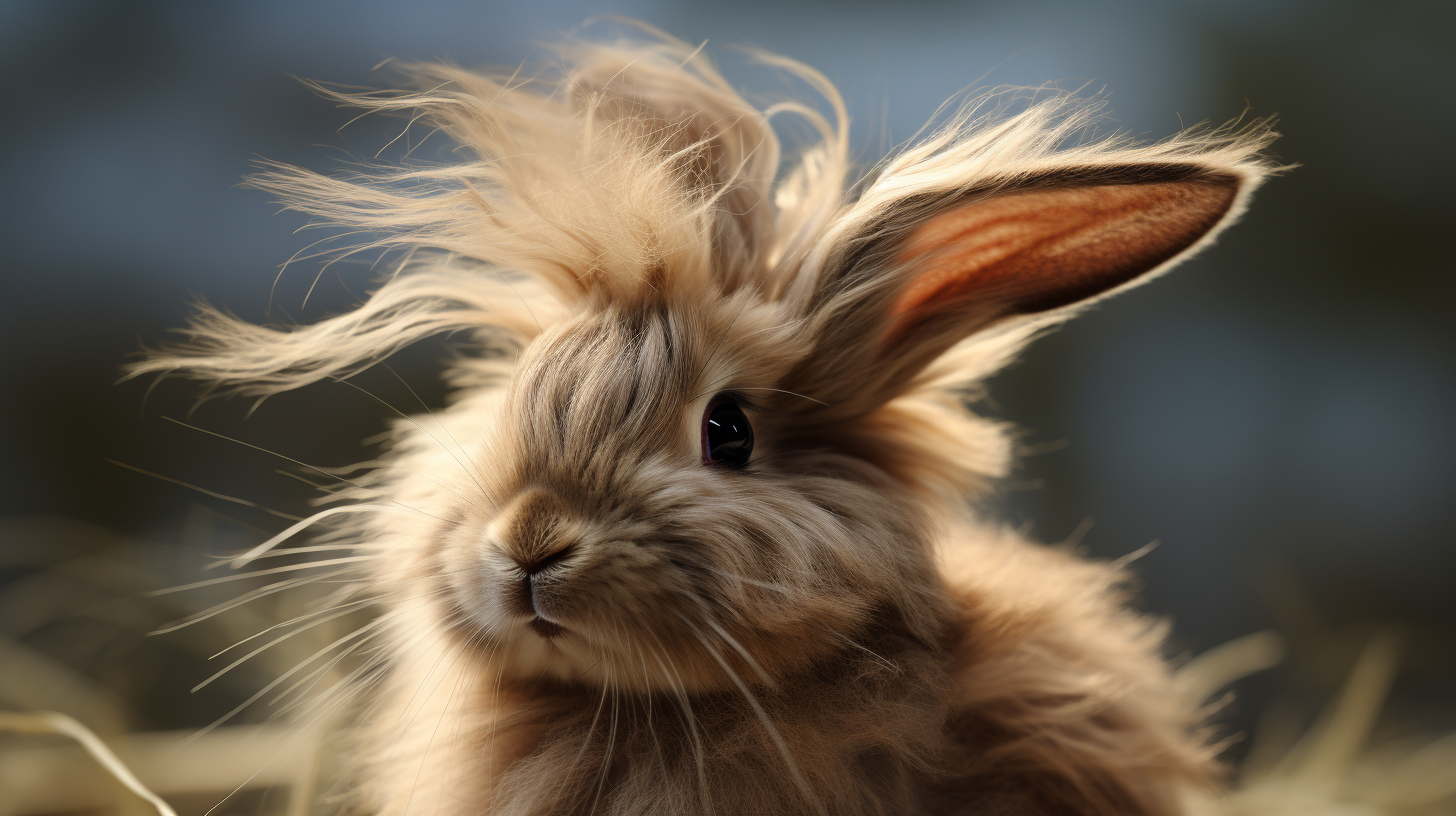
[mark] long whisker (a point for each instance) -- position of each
(611, 740)
(206, 492)
(410, 711)
(758, 710)
(319, 470)
(443, 426)
(494, 725)
(690, 720)
(476, 664)
(731, 641)
(224, 718)
(318, 674)
(330, 699)
(312, 548)
(346, 607)
(290, 568)
(872, 653)
(302, 525)
(349, 683)
(777, 390)
(591, 729)
(292, 741)
(270, 644)
(411, 420)
(242, 599)
(746, 581)
(439, 720)
(717, 346)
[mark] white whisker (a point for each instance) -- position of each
(205, 491)
(783, 747)
(289, 568)
(302, 525)
(342, 609)
(422, 429)
(246, 597)
(264, 647)
(224, 718)
(316, 469)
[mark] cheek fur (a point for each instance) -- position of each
(476, 581)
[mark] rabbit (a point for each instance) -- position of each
(696, 531)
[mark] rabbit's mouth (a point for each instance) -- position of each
(528, 595)
(547, 629)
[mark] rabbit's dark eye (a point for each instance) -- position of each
(727, 436)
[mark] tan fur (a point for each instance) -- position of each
(822, 631)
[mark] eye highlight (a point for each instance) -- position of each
(727, 436)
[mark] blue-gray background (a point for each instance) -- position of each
(1277, 413)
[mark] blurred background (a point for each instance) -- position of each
(1276, 415)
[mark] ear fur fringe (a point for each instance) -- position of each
(633, 172)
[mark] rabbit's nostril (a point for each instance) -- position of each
(532, 570)
(534, 531)
(535, 566)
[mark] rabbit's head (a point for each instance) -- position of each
(722, 433)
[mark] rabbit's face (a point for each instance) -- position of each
(657, 520)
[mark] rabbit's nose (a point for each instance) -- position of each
(530, 601)
(535, 566)
(534, 530)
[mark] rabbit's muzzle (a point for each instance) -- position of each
(533, 531)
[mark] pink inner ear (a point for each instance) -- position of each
(1036, 250)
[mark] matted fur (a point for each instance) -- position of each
(825, 630)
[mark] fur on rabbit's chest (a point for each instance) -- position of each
(557, 748)
(1044, 695)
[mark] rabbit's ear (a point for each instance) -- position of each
(923, 271)
(1053, 242)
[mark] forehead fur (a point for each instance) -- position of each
(633, 176)
(608, 384)
(632, 171)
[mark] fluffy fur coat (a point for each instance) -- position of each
(579, 609)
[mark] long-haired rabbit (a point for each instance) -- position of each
(691, 536)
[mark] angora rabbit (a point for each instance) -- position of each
(691, 535)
